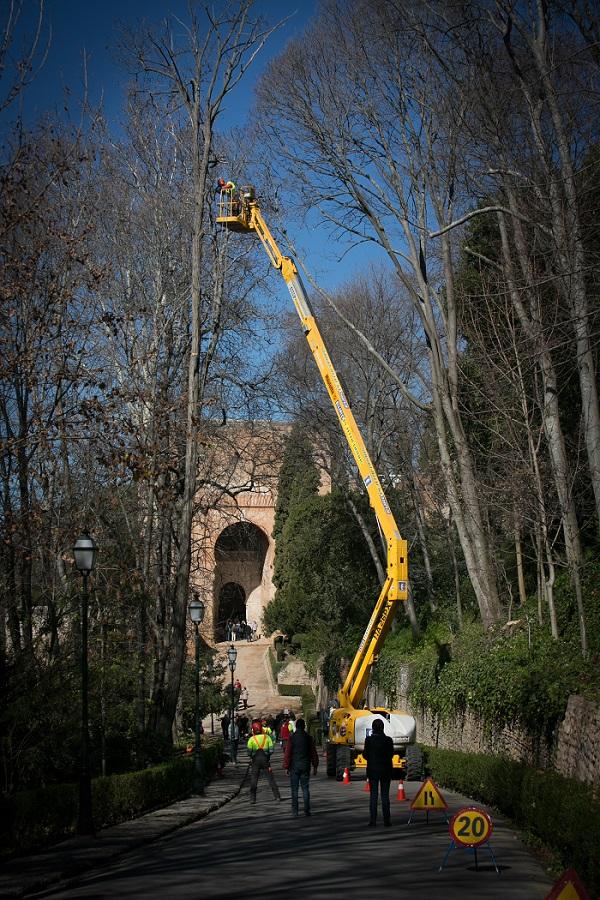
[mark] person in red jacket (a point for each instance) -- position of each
(284, 733)
(300, 756)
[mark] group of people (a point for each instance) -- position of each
(239, 630)
(300, 756)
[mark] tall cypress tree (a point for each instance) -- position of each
(298, 477)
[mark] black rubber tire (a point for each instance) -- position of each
(414, 763)
(343, 761)
(331, 760)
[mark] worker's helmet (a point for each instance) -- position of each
(256, 727)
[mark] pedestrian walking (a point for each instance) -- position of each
(300, 756)
(266, 728)
(234, 738)
(243, 724)
(379, 754)
(284, 733)
(260, 748)
(225, 726)
(244, 697)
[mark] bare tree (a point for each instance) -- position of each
(554, 123)
(19, 65)
(351, 113)
(189, 81)
(517, 132)
(48, 274)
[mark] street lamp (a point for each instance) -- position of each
(197, 608)
(84, 551)
(231, 656)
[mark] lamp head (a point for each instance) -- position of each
(84, 551)
(196, 609)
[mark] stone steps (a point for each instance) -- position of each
(253, 670)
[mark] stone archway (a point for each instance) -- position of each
(231, 604)
(240, 556)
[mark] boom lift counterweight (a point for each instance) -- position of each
(350, 723)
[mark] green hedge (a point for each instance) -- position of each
(309, 703)
(558, 811)
(35, 819)
(276, 662)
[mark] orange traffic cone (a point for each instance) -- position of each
(346, 778)
(401, 795)
(367, 787)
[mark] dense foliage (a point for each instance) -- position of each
(516, 675)
(325, 578)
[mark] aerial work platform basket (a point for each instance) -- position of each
(233, 208)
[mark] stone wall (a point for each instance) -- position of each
(468, 734)
(573, 752)
(578, 743)
(294, 672)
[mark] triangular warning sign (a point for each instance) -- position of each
(568, 887)
(429, 797)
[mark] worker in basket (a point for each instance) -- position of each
(229, 193)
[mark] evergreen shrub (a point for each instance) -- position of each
(294, 690)
(560, 812)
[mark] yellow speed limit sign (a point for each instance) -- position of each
(470, 827)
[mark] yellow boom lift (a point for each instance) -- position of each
(351, 722)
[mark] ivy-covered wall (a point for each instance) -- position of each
(574, 752)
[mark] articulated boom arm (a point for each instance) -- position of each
(248, 218)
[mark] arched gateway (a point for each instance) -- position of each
(240, 554)
(233, 544)
(234, 547)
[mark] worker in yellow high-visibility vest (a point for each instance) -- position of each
(260, 747)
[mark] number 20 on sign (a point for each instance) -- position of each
(470, 828)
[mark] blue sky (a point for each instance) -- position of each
(93, 27)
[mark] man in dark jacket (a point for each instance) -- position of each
(379, 754)
(300, 755)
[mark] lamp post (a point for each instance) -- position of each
(232, 656)
(84, 551)
(196, 609)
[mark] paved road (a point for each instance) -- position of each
(242, 850)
